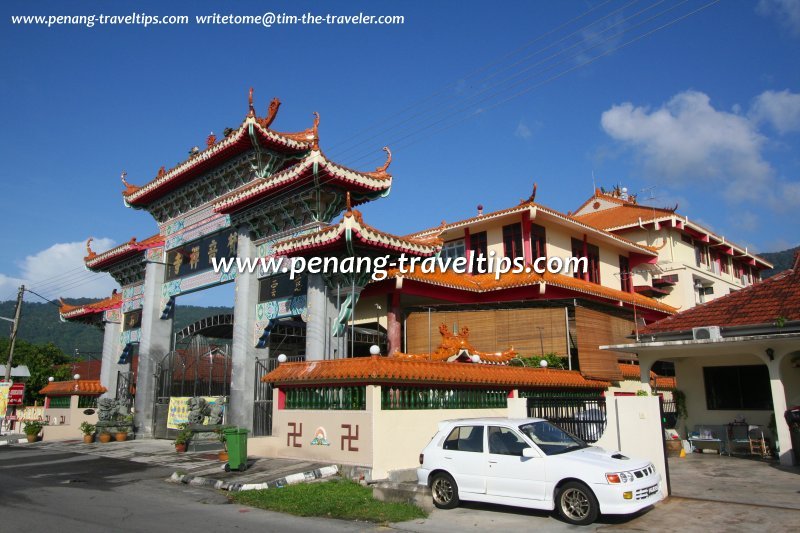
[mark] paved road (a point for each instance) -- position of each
(58, 491)
(54, 491)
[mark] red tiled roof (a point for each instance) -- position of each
(763, 303)
(377, 369)
(95, 261)
(666, 383)
(81, 387)
(362, 233)
(630, 371)
(486, 282)
(74, 311)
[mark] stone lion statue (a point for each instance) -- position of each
(108, 409)
(198, 410)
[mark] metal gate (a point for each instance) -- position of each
(262, 407)
(200, 368)
(583, 416)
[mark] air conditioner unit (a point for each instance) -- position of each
(706, 333)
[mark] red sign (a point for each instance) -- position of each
(16, 393)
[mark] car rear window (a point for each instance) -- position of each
(465, 439)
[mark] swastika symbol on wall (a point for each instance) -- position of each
(294, 434)
(350, 437)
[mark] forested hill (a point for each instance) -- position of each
(40, 324)
(782, 260)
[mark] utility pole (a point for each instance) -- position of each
(14, 328)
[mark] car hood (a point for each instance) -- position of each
(602, 459)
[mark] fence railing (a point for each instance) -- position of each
(327, 398)
(59, 402)
(584, 417)
(87, 402)
(393, 398)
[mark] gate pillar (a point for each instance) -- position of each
(153, 346)
(244, 352)
(111, 352)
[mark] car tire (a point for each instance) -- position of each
(576, 503)
(444, 491)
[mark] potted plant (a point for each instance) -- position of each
(104, 435)
(33, 428)
(182, 438)
(122, 430)
(223, 453)
(88, 432)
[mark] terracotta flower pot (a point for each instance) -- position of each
(223, 456)
(104, 437)
(120, 436)
(180, 448)
(88, 439)
(32, 438)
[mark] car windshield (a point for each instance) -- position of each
(552, 439)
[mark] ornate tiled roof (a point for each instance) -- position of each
(455, 345)
(625, 214)
(233, 144)
(314, 166)
(776, 298)
(81, 387)
(535, 209)
(665, 383)
(487, 282)
(95, 261)
(74, 311)
(377, 370)
(353, 222)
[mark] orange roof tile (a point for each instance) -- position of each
(486, 282)
(630, 371)
(666, 383)
(377, 369)
(647, 250)
(763, 303)
(81, 387)
(74, 311)
(95, 261)
(364, 233)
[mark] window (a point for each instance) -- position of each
(715, 262)
(625, 275)
(503, 441)
(538, 242)
(592, 255)
(477, 244)
(453, 249)
(701, 255)
(738, 387)
(512, 241)
(465, 439)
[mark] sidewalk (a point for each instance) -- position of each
(200, 468)
(12, 438)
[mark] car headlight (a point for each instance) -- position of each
(620, 477)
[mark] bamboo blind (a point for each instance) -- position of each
(493, 330)
(595, 329)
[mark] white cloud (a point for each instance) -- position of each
(689, 142)
(786, 12)
(780, 109)
(523, 131)
(58, 271)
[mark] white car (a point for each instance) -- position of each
(531, 463)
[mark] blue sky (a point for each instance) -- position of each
(704, 113)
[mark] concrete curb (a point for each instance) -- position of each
(232, 486)
(8, 442)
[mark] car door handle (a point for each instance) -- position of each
(492, 462)
(448, 458)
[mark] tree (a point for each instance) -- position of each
(43, 361)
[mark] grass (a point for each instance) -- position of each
(331, 499)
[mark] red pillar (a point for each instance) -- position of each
(393, 323)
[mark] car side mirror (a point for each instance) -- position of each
(529, 452)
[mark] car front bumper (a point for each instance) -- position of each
(644, 493)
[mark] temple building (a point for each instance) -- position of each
(258, 193)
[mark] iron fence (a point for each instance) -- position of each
(670, 414)
(583, 416)
(393, 398)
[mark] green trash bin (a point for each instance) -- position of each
(236, 440)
